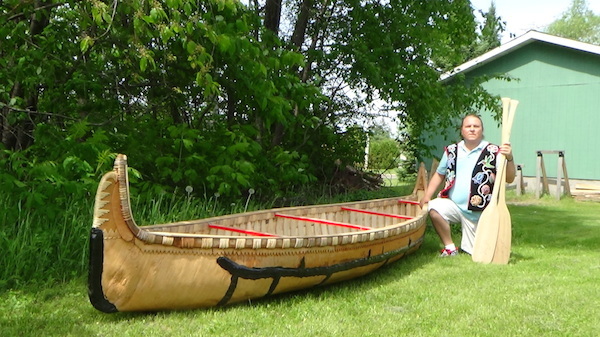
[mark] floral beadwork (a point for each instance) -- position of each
(476, 200)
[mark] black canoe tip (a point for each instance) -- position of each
(95, 292)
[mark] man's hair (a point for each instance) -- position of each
(471, 115)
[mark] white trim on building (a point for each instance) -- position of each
(519, 42)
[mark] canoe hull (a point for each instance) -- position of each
(174, 280)
(132, 269)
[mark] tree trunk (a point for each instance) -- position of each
(273, 15)
(298, 36)
(272, 19)
(320, 22)
(231, 106)
(20, 135)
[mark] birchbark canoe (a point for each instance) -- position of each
(233, 258)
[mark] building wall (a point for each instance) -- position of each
(559, 94)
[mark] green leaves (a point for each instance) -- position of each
(198, 93)
(578, 22)
(100, 12)
(292, 59)
(86, 43)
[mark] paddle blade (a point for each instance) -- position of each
(486, 235)
(503, 243)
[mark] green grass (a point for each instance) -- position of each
(549, 288)
(37, 244)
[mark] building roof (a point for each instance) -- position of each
(519, 42)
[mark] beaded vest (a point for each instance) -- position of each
(483, 176)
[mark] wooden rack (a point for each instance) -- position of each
(519, 180)
(541, 186)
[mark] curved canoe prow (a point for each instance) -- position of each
(233, 258)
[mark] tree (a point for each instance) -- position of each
(34, 20)
(578, 22)
(489, 32)
(183, 84)
(395, 51)
(215, 94)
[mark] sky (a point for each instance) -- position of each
(523, 15)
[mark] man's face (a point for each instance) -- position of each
(472, 130)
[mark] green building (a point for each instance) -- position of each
(557, 82)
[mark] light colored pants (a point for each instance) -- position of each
(451, 213)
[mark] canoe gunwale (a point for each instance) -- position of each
(147, 235)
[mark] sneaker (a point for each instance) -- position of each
(448, 252)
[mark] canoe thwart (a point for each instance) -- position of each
(377, 213)
(321, 221)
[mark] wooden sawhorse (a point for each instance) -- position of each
(541, 186)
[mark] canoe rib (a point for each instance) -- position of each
(226, 259)
(243, 231)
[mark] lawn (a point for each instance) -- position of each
(549, 288)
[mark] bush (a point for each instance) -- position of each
(384, 154)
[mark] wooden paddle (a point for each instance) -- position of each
(493, 236)
(503, 244)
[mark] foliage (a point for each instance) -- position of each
(397, 50)
(383, 150)
(407, 168)
(489, 32)
(578, 22)
(183, 87)
(384, 154)
(200, 94)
